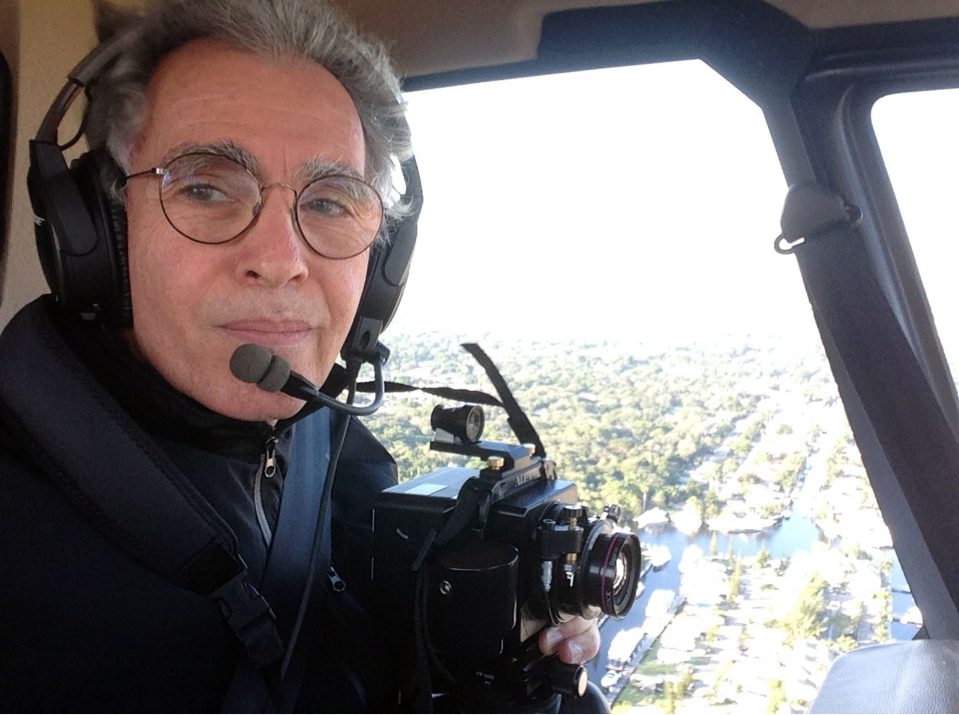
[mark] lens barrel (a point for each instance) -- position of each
(612, 570)
(605, 576)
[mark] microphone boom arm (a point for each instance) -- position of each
(255, 364)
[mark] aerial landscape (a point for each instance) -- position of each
(765, 553)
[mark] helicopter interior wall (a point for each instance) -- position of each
(592, 38)
(498, 32)
(6, 114)
(30, 32)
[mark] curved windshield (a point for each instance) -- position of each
(607, 237)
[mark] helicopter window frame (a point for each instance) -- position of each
(833, 108)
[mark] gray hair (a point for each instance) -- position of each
(306, 28)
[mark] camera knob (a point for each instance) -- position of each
(567, 679)
(495, 462)
(570, 514)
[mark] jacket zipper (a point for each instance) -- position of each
(337, 583)
(267, 469)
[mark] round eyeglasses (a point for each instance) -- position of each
(210, 198)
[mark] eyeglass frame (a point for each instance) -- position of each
(161, 172)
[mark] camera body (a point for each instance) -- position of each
(476, 562)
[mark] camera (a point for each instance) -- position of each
(471, 564)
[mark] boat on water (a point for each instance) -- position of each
(662, 602)
(740, 524)
(659, 555)
(622, 647)
(687, 520)
(652, 517)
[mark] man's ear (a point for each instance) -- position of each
(110, 19)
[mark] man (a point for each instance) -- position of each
(250, 143)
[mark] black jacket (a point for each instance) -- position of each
(86, 623)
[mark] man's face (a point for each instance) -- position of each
(193, 303)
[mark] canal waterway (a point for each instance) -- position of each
(794, 534)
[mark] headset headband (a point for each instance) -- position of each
(88, 69)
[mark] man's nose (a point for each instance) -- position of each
(274, 253)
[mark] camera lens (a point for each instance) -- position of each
(612, 570)
(605, 575)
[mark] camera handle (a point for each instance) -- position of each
(526, 666)
(473, 502)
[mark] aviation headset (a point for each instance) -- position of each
(81, 228)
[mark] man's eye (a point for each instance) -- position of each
(325, 207)
(202, 193)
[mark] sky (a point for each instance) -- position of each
(634, 203)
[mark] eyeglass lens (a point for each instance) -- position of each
(212, 199)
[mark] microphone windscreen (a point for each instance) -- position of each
(256, 364)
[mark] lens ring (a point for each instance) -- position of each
(616, 595)
(605, 570)
(596, 586)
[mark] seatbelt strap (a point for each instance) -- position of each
(146, 507)
(871, 348)
(287, 568)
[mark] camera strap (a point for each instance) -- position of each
(515, 416)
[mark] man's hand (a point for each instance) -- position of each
(576, 641)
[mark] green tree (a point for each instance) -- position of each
(668, 701)
(777, 695)
(807, 618)
(735, 581)
(762, 556)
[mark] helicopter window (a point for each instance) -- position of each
(606, 236)
(916, 133)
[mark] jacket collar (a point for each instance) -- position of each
(153, 403)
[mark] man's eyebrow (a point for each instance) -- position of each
(307, 172)
(225, 148)
(317, 168)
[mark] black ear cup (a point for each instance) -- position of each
(94, 172)
(81, 235)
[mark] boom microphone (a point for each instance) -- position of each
(255, 364)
